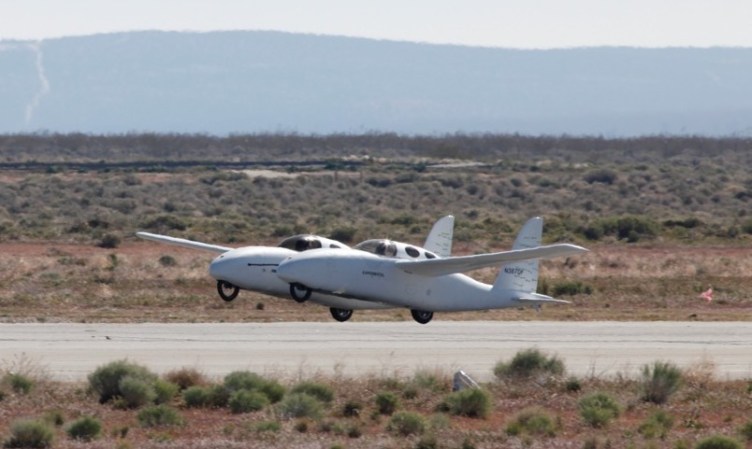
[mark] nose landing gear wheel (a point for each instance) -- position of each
(299, 292)
(341, 315)
(421, 316)
(227, 291)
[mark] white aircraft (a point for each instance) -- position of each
(426, 285)
(254, 267)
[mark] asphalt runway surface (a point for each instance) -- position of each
(67, 351)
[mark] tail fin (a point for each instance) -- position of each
(522, 276)
(439, 240)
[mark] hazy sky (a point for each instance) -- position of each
(496, 23)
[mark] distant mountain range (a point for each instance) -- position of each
(254, 81)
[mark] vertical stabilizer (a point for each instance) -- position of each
(439, 240)
(522, 276)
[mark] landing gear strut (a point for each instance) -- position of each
(227, 291)
(421, 316)
(341, 315)
(299, 292)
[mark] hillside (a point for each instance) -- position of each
(249, 82)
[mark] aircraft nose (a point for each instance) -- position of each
(218, 268)
(289, 270)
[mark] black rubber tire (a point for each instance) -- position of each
(341, 315)
(421, 316)
(222, 285)
(294, 292)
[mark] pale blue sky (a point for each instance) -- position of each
(495, 23)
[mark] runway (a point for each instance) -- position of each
(67, 351)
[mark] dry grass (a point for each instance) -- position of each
(83, 283)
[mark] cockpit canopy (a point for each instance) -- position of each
(388, 248)
(304, 242)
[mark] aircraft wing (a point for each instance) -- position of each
(450, 265)
(183, 242)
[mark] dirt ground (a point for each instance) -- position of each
(143, 281)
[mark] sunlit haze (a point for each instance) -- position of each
(492, 23)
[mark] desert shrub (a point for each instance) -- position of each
(219, 396)
(573, 385)
(85, 428)
(352, 409)
(431, 381)
(659, 381)
(136, 392)
(165, 391)
(343, 234)
(719, 442)
(570, 288)
(196, 396)
(656, 425)
(167, 261)
(105, 380)
(598, 409)
(245, 401)
(532, 422)
(746, 431)
(602, 175)
(470, 402)
(186, 377)
(243, 380)
(386, 402)
(529, 362)
(268, 426)
(273, 390)
(109, 241)
(159, 416)
(54, 417)
(30, 434)
(299, 405)
(19, 383)
(246, 380)
(406, 423)
(322, 392)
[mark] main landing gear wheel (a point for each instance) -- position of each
(421, 316)
(299, 292)
(227, 291)
(341, 315)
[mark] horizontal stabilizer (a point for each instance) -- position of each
(450, 265)
(183, 242)
(536, 299)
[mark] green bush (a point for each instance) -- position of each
(85, 428)
(719, 442)
(19, 383)
(300, 405)
(30, 434)
(159, 416)
(573, 385)
(386, 402)
(746, 431)
(407, 423)
(529, 362)
(656, 425)
(105, 380)
(219, 396)
(246, 380)
(136, 392)
(268, 426)
(659, 381)
(322, 392)
(196, 396)
(598, 409)
(471, 402)
(245, 401)
(352, 409)
(165, 391)
(532, 422)
(243, 380)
